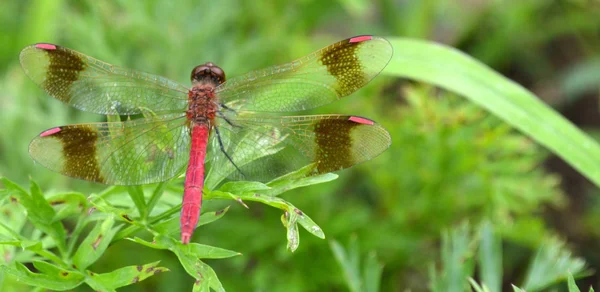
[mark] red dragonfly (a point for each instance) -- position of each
(231, 120)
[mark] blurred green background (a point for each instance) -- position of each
(450, 161)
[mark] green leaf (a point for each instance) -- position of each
(571, 284)
(156, 195)
(517, 289)
(104, 206)
(192, 249)
(205, 276)
(137, 196)
(490, 258)
(290, 222)
(243, 187)
(123, 276)
(477, 287)
(372, 273)
(551, 264)
(348, 261)
(297, 179)
(453, 70)
(189, 255)
(171, 225)
(276, 202)
(94, 245)
(457, 262)
(39, 211)
(203, 251)
(52, 277)
(67, 204)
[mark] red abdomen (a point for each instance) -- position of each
(194, 181)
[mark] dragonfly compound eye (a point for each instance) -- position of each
(208, 72)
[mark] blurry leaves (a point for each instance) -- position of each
(551, 264)
(456, 260)
(490, 257)
(581, 78)
(359, 275)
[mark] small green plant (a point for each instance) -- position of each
(463, 250)
(34, 230)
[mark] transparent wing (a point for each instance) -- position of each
(315, 80)
(264, 148)
(133, 152)
(95, 86)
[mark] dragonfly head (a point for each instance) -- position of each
(208, 72)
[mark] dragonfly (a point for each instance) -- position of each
(237, 126)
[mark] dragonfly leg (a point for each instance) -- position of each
(225, 152)
(227, 120)
(227, 108)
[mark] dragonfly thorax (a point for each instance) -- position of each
(203, 104)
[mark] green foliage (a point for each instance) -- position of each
(551, 264)
(366, 279)
(72, 269)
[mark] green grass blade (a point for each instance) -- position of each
(571, 284)
(453, 70)
(490, 258)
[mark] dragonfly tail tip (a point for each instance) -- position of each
(185, 238)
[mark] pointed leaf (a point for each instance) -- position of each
(67, 204)
(372, 271)
(551, 264)
(104, 206)
(137, 196)
(571, 284)
(351, 274)
(171, 225)
(237, 187)
(490, 258)
(289, 221)
(94, 245)
(55, 279)
(205, 276)
(124, 276)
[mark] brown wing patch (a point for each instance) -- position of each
(79, 151)
(63, 69)
(343, 63)
(333, 151)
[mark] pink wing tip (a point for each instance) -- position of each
(361, 38)
(50, 132)
(46, 46)
(361, 120)
(185, 238)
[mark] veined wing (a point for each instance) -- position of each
(267, 147)
(139, 151)
(95, 86)
(315, 80)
